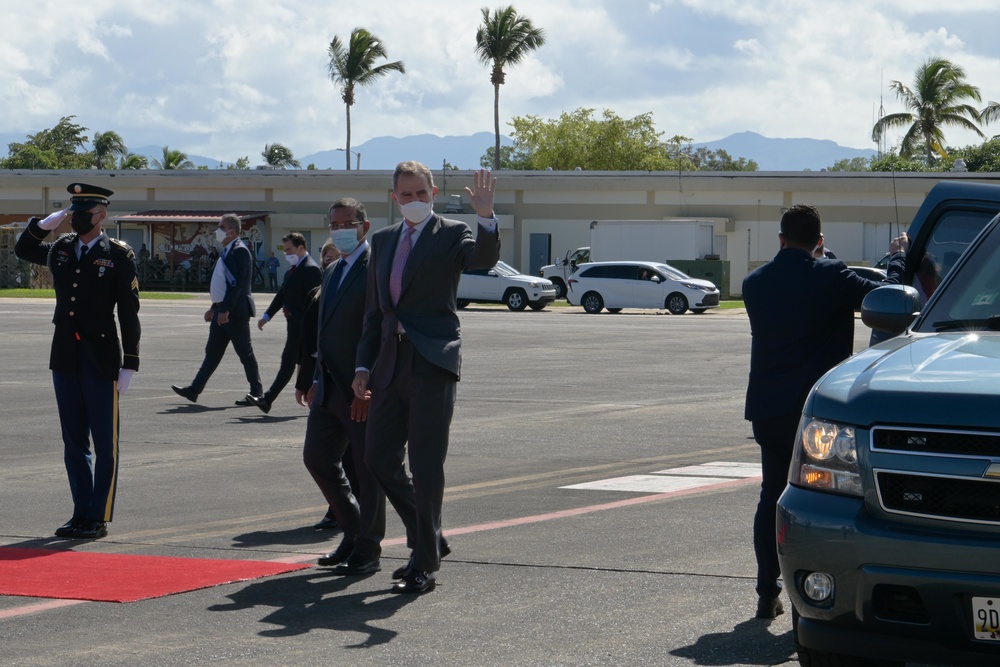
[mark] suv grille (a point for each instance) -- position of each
(937, 442)
(961, 499)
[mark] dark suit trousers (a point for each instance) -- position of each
(289, 359)
(332, 439)
(776, 437)
(88, 407)
(237, 332)
(413, 415)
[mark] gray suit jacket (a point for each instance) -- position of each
(339, 324)
(427, 306)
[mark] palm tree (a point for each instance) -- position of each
(354, 65)
(173, 160)
(107, 146)
(990, 113)
(133, 161)
(504, 39)
(276, 155)
(935, 101)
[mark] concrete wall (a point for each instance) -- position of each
(860, 211)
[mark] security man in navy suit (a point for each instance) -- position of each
(303, 276)
(410, 354)
(335, 431)
(94, 276)
(801, 311)
(230, 313)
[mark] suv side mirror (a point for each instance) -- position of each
(891, 308)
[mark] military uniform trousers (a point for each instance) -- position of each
(88, 408)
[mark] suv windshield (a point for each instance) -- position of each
(971, 300)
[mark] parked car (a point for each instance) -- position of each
(889, 529)
(504, 284)
(618, 285)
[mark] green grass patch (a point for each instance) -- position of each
(51, 294)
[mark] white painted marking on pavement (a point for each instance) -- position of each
(674, 479)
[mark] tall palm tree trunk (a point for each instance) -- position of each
(347, 151)
(496, 126)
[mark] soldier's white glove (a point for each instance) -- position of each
(124, 380)
(53, 220)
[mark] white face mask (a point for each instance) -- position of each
(220, 235)
(292, 259)
(346, 240)
(416, 211)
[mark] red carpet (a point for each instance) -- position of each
(47, 573)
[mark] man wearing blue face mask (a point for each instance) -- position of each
(303, 276)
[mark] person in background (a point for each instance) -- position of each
(328, 254)
(94, 278)
(801, 312)
(291, 299)
(272, 272)
(409, 355)
(230, 313)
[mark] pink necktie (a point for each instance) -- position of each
(399, 263)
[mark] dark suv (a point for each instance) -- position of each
(889, 529)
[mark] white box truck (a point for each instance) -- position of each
(647, 240)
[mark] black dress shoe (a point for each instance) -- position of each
(261, 402)
(417, 581)
(768, 607)
(90, 530)
(187, 392)
(401, 572)
(245, 402)
(358, 566)
(66, 530)
(328, 523)
(338, 555)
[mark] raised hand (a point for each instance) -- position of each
(481, 194)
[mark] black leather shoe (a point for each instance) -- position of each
(416, 582)
(769, 607)
(66, 530)
(245, 401)
(328, 523)
(187, 392)
(338, 555)
(90, 530)
(401, 572)
(261, 402)
(354, 567)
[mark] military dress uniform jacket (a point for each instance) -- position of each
(87, 293)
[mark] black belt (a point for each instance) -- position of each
(403, 337)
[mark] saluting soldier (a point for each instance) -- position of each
(93, 276)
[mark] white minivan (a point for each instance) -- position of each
(618, 285)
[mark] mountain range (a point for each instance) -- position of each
(465, 152)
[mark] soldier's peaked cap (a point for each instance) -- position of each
(84, 197)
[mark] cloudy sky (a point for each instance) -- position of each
(221, 78)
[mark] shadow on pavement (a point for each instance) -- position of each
(316, 601)
(295, 536)
(749, 643)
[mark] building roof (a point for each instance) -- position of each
(187, 216)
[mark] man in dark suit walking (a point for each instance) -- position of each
(303, 276)
(801, 312)
(410, 354)
(94, 277)
(335, 431)
(230, 313)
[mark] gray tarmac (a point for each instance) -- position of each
(540, 575)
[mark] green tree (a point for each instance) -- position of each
(132, 161)
(850, 164)
(173, 159)
(107, 147)
(892, 161)
(240, 164)
(280, 157)
(510, 159)
(354, 65)
(705, 159)
(937, 100)
(983, 157)
(991, 113)
(503, 40)
(55, 148)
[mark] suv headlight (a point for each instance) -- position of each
(826, 458)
